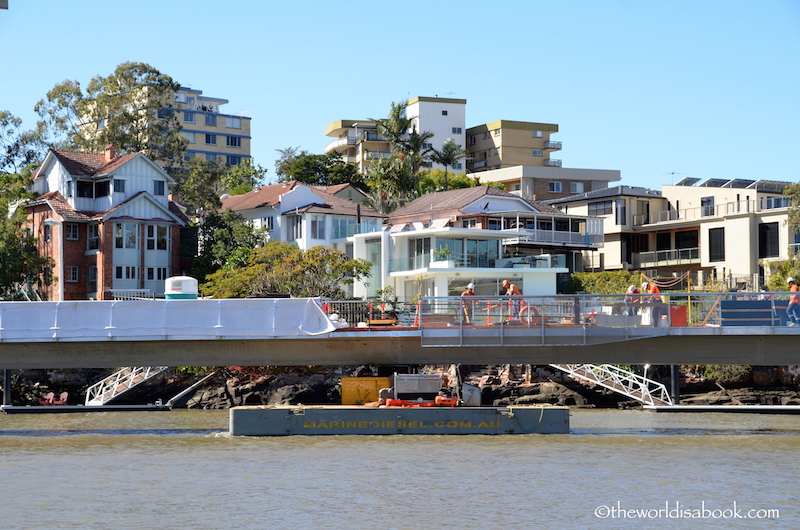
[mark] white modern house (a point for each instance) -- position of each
(440, 242)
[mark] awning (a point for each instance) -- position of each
(439, 223)
(398, 227)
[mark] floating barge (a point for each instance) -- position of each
(288, 420)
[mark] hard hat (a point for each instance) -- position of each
(644, 285)
(631, 288)
(789, 280)
(470, 286)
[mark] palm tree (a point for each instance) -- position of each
(414, 147)
(447, 156)
(395, 127)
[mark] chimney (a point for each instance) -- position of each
(110, 153)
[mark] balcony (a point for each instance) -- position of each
(711, 211)
(340, 142)
(370, 136)
(553, 146)
(473, 261)
(552, 163)
(554, 237)
(480, 164)
(667, 258)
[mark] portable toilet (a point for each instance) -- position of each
(180, 288)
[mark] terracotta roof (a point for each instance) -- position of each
(90, 164)
(458, 199)
(177, 212)
(337, 205)
(59, 205)
(259, 198)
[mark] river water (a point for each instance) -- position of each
(617, 469)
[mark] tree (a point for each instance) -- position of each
(220, 237)
(395, 127)
(280, 267)
(18, 148)
(417, 148)
(123, 109)
(317, 170)
(433, 181)
(447, 156)
(201, 186)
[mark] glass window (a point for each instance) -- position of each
(318, 227)
(211, 139)
(576, 187)
(102, 189)
(600, 208)
(211, 157)
(622, 213)
(211, 120)
(91, 284)
(71, 272)
(187, 156)
(158, 187)
(295, 227)
(233, 141)
(48, 233)
(85, 189)
(233, 160)
(188, 117)
(192, 137)
(536, 152)
(163, 114)
(456, 130)
(536, 134)
(71, 231)
(119, 186)
(554, 187)
(92, 237)
(768, 240)
(125, 235)
(716, 243)
(233, 123)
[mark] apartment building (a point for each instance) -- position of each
(541, 183)
(214, 133)
(503, 143)
(716, 229)
(359, 143)
(106, 222)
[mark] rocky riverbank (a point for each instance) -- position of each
(500, 385)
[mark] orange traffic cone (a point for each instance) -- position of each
(416, 318)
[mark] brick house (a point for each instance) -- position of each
(106, 222)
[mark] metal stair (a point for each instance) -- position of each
(114, 385)
(622, 381)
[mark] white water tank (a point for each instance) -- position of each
(180, 288)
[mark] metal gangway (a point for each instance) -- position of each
(622, 381)
(119, 382)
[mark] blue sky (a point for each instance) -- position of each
(702, 89)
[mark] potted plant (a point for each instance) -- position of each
(441, 259)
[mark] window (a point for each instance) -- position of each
(126, 272)
(554, 187)
(190, 100)
(163, 114)
(456, 130)
(536, 152)
(707, 206)
(233, 160)
(622, 213)
(485, 135)
(472, 140)
(190, 136)
(91, 283)
(318, 227)
(71, 231)
(233, 141)
(211, 157)
(92, 237)
(188, 117)
(268, 223)
(211, 139)
(295, 227)
(233, 123)
(768, 240)
(427, 146)
(716, 244)
(125, 235)
(600, 208)
(211, 120)
(158, 187)
(156, 273)
(187, 156)
(85, 189)
(497, 132)
(102, 189)
(71, 273)
(157, 237)
(537, 134)
(576, 187)
(456, 165)
(444, 113)
(48, 233)
(119, 186)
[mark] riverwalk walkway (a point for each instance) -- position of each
(709, 328)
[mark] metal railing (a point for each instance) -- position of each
(131, 294)
(619, 380)
(357, 311)
(711, 210)
(117, 383)
(577, 320)
(660, 258)
(552, 163)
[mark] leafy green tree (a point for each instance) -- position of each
(220, 235)
(18, 148)
(243, 177)
(280, 267)
(320, 170)
(417, 148)
(201, 186)
(123, 109)
(606, 282)
(395, 127)
(449, 154)
(433, 181)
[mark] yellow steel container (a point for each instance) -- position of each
(360, 390)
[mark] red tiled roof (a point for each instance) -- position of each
(90, 164)
(337, 205)
(260, 197)
(458, 199)
(59, 205)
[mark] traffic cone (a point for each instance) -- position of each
(416, 318)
